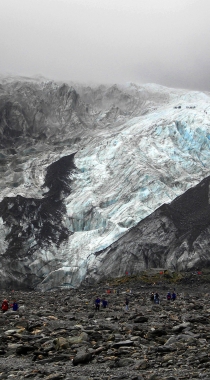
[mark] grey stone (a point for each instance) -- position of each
(82, 358)
(122, 343)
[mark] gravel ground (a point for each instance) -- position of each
(60, 335)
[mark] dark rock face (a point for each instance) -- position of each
(29, 113)
(36, 223)
(166, 238)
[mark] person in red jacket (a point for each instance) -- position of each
(4, 306)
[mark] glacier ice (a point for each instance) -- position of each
(125, 176)
(125, 170)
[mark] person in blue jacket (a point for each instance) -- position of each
(15, 306)
(97, 303)
(173, 296)
(104, 303)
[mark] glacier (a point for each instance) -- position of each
(135, 148)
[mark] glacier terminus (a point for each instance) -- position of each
(100, 180)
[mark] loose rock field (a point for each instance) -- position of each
(59, 335)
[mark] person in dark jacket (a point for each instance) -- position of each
(104, 303)
(97, 303)
(126, 303)
(156, 298)
(173, 296)
(168, 296)
(152, 297)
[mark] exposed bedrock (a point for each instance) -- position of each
(34, 224)
(30, 113)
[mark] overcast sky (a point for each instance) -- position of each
(108, 41)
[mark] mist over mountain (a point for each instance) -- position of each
(97, 180)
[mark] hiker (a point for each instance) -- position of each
(14, 306)
(104, 303)
(156, 298)
(173, 296)
(168, 296)
(97, 303)
(152, 297)
(118, 292)
(4, 306)
(126, 303)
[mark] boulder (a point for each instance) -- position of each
(82, 358)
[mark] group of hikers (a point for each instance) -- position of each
(104, 303)
(156, 299)
(99, 302)
(5, 306)
(171, 297)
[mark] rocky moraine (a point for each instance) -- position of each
(59, 335)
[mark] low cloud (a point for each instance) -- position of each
(108, 41)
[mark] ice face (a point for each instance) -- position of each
(124, 177)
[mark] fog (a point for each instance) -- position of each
(108, 41)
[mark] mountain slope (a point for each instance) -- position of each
(86, 165)
(176, 236)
